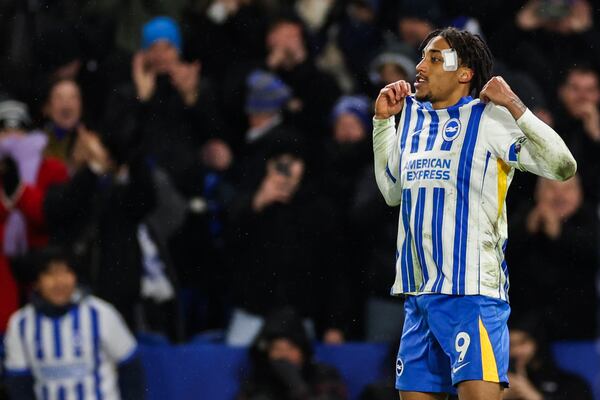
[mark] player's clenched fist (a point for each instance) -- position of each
(498, 92)
(391, 99)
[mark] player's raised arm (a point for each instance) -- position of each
(542, 151)
(385, 144)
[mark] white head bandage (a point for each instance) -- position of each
(450, 59)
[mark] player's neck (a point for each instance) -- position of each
(452, 99)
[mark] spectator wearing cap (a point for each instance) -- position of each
(169, 107)
(346, 157)
(348, 147)
(67, 343)
(283, 365)
(25, 175)
(267, 98)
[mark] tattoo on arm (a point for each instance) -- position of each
(518, 103)
(516, 107)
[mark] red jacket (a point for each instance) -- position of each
(31, 204)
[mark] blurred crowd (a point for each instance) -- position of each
(207, 163)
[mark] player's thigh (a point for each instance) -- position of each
(479, 390)
(421, 366)
(422, 396)
(472, 331)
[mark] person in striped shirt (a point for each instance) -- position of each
(67, 344)
(448, 165)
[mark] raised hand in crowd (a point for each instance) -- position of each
(544, 219)
(286, 47)
(143, 76)
(89, 150)
(283, 178)
(555, 203)
(565, 18)
(216, 154)
(220, 10)
(590, 117)
(521, 388)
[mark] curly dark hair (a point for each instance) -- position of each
(472, 52)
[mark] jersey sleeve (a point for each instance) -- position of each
(528, 144)
(387, 160)
(504, 138)
(16, 362)
(117, 340)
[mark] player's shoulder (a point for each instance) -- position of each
(19, 315)
(497, 113)
(103, 306)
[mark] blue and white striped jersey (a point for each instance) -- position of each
(73, 356)
(450, 169)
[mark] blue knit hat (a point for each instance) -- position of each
(359, 106)
(266, 93)
(161, 28)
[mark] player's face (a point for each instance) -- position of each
(283, 349)
(432, 82)
(57, 284)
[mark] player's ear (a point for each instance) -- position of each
(465, 74)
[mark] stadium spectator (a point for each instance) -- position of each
(289, 56)
(348, 149)
(578, 118)
(393, 63)
(97, 216)
(416, 19)
(285, 240)
(560, 230)
(225, 33)
(384, 314)
(550, 37)
(346, 157)
(172, 214)
(169, 106)
(63, 111)
(266, 99)
(26, 175)
(67, 343)
(533, 373)
(199, 248)
(283, 365)
(359, 37)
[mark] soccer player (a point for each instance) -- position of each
(67, 344)
(448, 166)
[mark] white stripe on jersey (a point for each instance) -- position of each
(73, 356)
(451, 170)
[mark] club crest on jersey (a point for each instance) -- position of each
(399, 367)
(451, 129)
